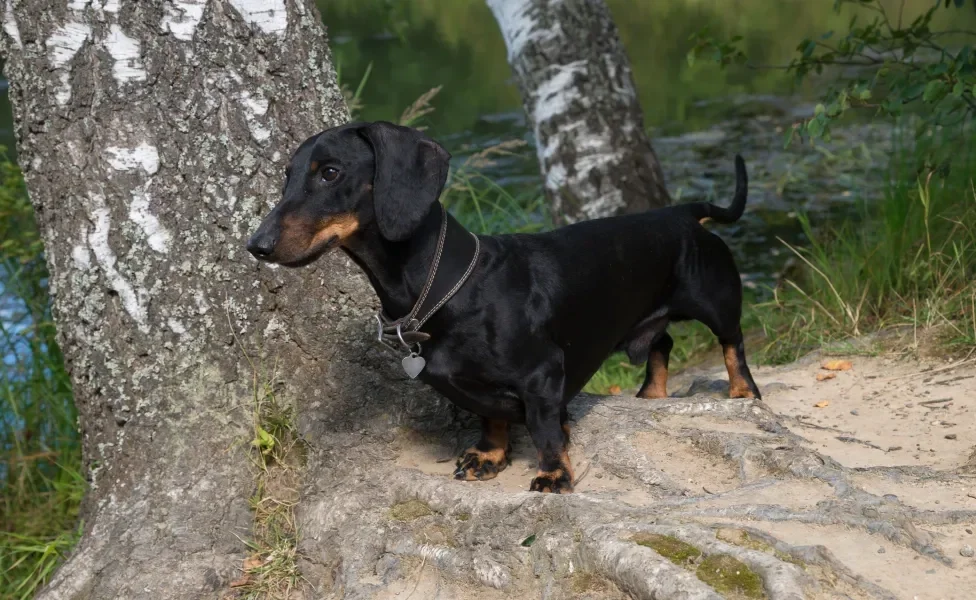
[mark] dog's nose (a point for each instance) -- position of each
(261, 246)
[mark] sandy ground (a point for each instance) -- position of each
(902, 428)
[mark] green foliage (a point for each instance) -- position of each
(883, 64)
(481, 205)
(910, 260)
(20, 241)
(457, 43)
(40, 458)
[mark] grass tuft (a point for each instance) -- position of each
(271, 570)
(40, 455)
(908, 262)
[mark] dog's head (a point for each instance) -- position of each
(349, 180)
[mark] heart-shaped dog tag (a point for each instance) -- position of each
(413, 365)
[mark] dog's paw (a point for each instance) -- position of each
(475, 465)
(559, 481)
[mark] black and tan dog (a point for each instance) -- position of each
(538, 314)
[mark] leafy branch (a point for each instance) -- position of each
(885, 65)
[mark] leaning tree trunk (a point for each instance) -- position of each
(153, 136)
(581, 102)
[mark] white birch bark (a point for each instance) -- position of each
(579, 96)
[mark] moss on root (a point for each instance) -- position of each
(671, 548)
(584, 582)
(410, 510)
(744, 539)
(730, 577)
(436, 535)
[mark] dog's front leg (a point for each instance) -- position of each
(546, 420)
(489, 456)
(551, 439)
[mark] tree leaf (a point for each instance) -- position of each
(911, 92)
(816, 126)
(935, 90)
(528, 541)
(807, 47)
(789, 137)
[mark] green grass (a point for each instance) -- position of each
(40, 458)
(909, 262)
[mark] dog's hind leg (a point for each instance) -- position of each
(715, 299)
(489, 456)
(724, 324)
(741, 384)
(656, 381)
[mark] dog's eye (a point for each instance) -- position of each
(330, 174)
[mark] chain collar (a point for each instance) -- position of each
(404, 333)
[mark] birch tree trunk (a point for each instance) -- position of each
(153, 136)
(580, 99)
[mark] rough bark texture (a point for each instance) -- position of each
(153, 136)
(579, 96)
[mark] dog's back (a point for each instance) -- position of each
(615, 283)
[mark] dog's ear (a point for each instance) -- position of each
(411, 170)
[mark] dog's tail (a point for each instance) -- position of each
(706, 210)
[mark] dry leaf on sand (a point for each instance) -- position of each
(822, 404)
(614, 390)
(838, 365)
(825, 376)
